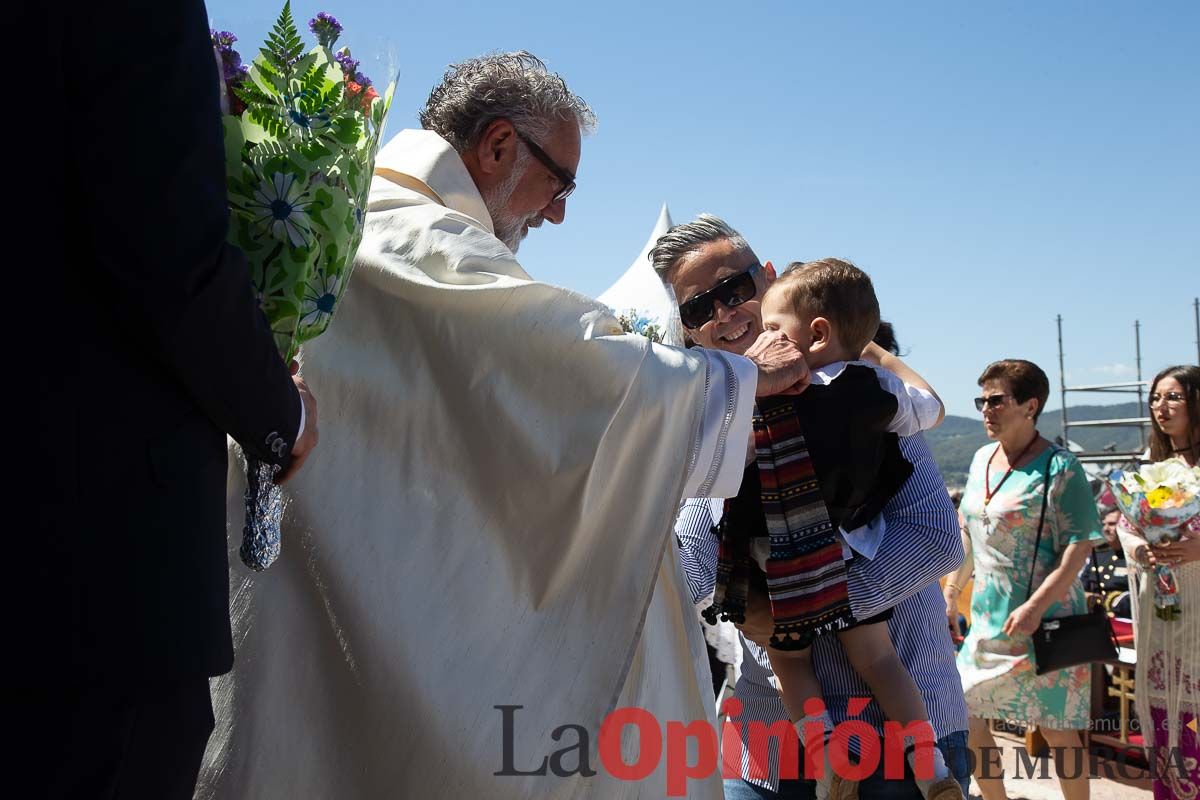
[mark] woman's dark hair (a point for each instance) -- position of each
(1188, 376)
(1025, 380)
(885, 337)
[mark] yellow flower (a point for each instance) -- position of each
(1158, 497)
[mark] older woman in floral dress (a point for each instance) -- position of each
(1168, 650)
(1000, 510)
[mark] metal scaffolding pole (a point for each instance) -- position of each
(1137, 334)
(1128, 387)
(1062, 383)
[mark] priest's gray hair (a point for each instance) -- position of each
(514, 86)
(688, 237)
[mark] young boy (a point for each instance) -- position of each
(815, 501)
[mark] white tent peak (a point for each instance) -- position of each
(639, 289)
(663, 224)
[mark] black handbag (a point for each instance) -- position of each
(1064, 642)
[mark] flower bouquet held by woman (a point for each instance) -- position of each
(302, 128)
(1160, 550)
(1160, 500)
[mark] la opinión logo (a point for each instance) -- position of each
(753, 739)
(675, 739)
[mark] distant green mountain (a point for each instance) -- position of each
(955, 441)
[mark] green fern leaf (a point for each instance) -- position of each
(283, 47)
(250, 94)
(268, 116)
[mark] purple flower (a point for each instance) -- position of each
(232, 69)
(350, 69)
(348, 64)
(326, 28)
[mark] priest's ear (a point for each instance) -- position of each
(495, 152)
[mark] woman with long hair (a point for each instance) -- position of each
(1168, 650)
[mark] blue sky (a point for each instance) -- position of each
(990, 165)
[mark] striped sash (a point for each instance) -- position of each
(806, 575)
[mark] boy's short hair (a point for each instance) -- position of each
(837, 290)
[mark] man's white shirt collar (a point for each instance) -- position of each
(829, 373)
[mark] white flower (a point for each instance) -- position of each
(1173, 473)
(1173, 476)
(320, 296)
(282, 203)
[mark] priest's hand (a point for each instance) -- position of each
(781, 366)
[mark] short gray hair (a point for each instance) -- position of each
(514, 86)
(687, 238)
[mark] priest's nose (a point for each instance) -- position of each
(556, 212)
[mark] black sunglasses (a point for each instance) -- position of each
(991, 401)
(567, 179)
(733, 291)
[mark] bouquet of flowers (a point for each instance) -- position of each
(633, 322)
(302, 127)
(1160, 499)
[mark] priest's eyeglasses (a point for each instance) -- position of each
(565, 177)
(991, 401)
(733, 291)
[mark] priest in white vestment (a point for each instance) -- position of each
(489, 521)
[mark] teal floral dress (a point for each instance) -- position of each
(998, 672)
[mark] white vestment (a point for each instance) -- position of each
(487, 522)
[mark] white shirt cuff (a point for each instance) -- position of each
(725, 429)
(303, 419)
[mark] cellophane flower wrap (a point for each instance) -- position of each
(1161, 500)
(302, 128)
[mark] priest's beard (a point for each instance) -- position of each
(510, 228)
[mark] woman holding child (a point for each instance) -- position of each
(1168, 650)
(1030, 522)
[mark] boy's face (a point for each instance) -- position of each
(810, 332)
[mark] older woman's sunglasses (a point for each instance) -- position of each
(991, 401)
(733, 291)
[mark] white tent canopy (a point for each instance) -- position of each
(639, 289)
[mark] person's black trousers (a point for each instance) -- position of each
(129, 742)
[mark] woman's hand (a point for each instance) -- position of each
(1185, 551)
(1025, 619)
(950, 594)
